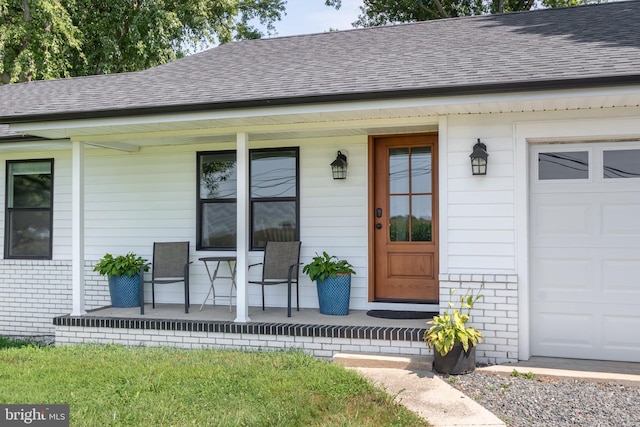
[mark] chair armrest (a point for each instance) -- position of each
(143, 268)
(291, 267)
(253, 265)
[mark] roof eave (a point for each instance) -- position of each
(441, 91)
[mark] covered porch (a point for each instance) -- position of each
(214, 327)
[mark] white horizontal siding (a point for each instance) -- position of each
(480, 225)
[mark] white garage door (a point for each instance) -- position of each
(585, 251)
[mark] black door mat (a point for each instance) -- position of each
(395, 314)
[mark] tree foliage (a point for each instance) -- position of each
(381, 12)
(41, 39)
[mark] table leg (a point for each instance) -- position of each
(212, 279)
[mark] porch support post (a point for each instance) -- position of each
(242, 243)
(77, 228)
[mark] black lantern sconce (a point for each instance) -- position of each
(479, 159)
(339, 166)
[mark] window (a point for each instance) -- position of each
(273, 193)
(621, 164)
(563, 165)
(29, 214)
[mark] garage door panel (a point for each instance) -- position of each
(555, 274)
(574, 330)
(622, 332)
(567, 220)
(585, 261)
(622, 277)
(621, 220)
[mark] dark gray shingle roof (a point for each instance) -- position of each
(538, 49)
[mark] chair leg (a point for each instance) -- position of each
(289, 299)
(186, 296)
(298, 296)
(153, 295)
(141, 295)
(263, 297)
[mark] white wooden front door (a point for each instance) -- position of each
(585, 250)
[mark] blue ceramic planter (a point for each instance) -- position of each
(334, 294)
(125, 291)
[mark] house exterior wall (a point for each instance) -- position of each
(133, 199)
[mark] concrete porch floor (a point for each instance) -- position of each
(306, 316)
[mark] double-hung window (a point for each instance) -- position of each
(29, 213)
(273, 198)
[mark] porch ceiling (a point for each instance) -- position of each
(319, 120)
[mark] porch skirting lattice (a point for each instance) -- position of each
(319, 340)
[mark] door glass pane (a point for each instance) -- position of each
(273, 222)
(29, 233)
(421, 170)
(218, 225)
(421, 219)
(218, 176)
(399, 218)
(399, 171)
(621, 164)
(563, 165)
(273, 174)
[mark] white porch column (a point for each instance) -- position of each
(77, 228)
(242, 243)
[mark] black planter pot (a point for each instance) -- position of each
(456, 362)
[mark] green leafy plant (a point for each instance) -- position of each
(123, 265)
(323, 266)
(450, 328)
(527, 375)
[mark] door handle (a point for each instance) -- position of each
(379, 213)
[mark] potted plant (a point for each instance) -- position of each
(333, 281)
(123, 272)
(454, 342)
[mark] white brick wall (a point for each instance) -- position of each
(33, 292)
(495, 315)
(317, 346)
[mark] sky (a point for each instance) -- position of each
(312, 16)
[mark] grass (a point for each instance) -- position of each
(15, 343)
(123, 386)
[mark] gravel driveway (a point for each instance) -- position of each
(526, 400)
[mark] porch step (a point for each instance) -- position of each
(378, 360)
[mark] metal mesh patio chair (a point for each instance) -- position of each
(170, 265)
(280, 266)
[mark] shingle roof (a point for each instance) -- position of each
(535, 50)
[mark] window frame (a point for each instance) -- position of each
(10, 210)
(200, 203)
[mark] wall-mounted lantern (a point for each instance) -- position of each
(479, 159)
(339, 166)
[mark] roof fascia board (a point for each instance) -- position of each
(98, 140)
(338, 107)
(445, 91)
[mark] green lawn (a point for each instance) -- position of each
(124, 386)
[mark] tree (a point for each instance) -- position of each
(37, 40)
(381, 12)
(42, 39)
